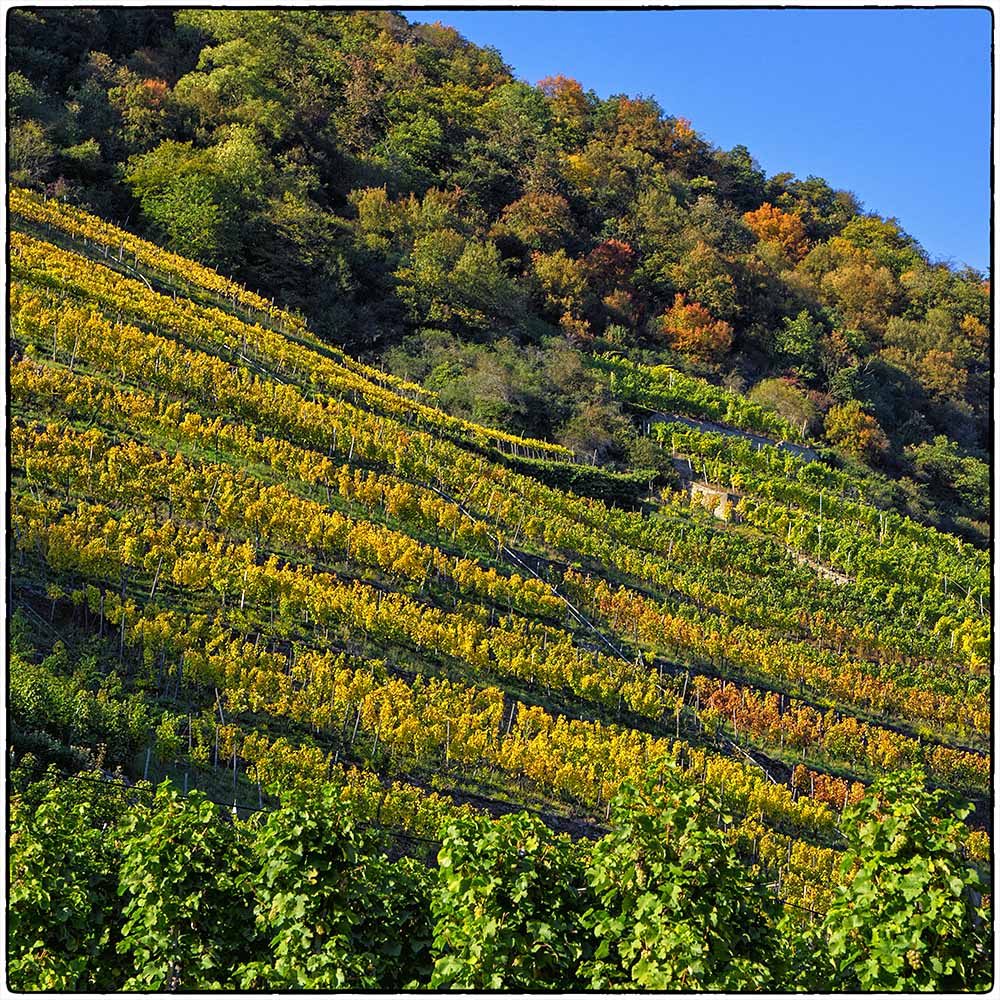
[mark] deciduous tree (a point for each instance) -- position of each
(691, 328)
(849, 427)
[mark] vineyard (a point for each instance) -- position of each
(313, 685)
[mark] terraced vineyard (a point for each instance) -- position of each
(246, 563)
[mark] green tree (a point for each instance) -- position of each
(942, 464)
(278, 71)
(910, 918)
(29, 152)
(183, 195)
(411, 148)
(507, 907)
(823, 210)
(64, 920)
(740, 179)
(188, 905)
(509, 127)
(676, 909)
(458, 284)
(798, 341)
(24, 99)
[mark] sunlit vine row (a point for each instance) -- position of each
(786, 495)
(28, 378)
(501, 494)
(160, 633)
(76, 222)
(866, 685)
(137, 478)
(218, 331)
(665, 388)
(134, 477)
(93, 542)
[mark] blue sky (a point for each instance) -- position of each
(893, 105)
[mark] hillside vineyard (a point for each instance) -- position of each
(364, 600)
(321, 679)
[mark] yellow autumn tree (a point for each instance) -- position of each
(942, 373)
(849, 427)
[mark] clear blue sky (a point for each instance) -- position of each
(893, 105)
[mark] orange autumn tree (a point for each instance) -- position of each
(691, 328)
(565, 93)
(772, 225)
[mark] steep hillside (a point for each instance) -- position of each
(482, 236)
(248, 563)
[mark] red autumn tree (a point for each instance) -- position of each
(610, 265)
